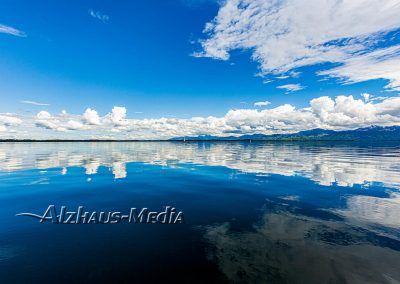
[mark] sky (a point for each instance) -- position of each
(151, 69)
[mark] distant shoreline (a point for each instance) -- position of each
(365, 135)
(199, 140)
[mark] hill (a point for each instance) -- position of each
(372, 133)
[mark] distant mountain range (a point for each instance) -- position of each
(372, 133)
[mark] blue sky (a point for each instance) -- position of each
(156, 59)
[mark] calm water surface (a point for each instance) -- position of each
(254, 212)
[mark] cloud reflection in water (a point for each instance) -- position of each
(344, 165)
(285, 247)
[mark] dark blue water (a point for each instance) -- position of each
(253, 213)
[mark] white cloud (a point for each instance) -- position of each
(98, 15)
(11, 31)
(266, 81)
(90, 116)
(379, 64)
(366, 96)
(74, 125)
(43, 115)
(339, 113)
(260, 104)
(287, 34)
(118, 115)
(46, 124)
(34, 103)
(3, 128)
(45, 120)
(282, 77)
(8, 120)
(291, 87)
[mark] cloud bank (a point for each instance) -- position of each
(283, 35)
(340, 113)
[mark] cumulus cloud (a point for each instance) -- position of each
(261, 104)
(11, 31)
(43, 115)
(8, 120)
(45, 120)
(287, 34)
(118, 115)
(91, 117)
(339, 113)
(74, 125)
(291, 87)
(346, 111)
(46, 124)
(98, 15)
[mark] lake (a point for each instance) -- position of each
(253, 212)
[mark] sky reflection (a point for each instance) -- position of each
(260, 212)
(294, 248)
(323, 164)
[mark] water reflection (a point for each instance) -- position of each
(369, 209)
(343, 165)
(292, 248)
(332, 212)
